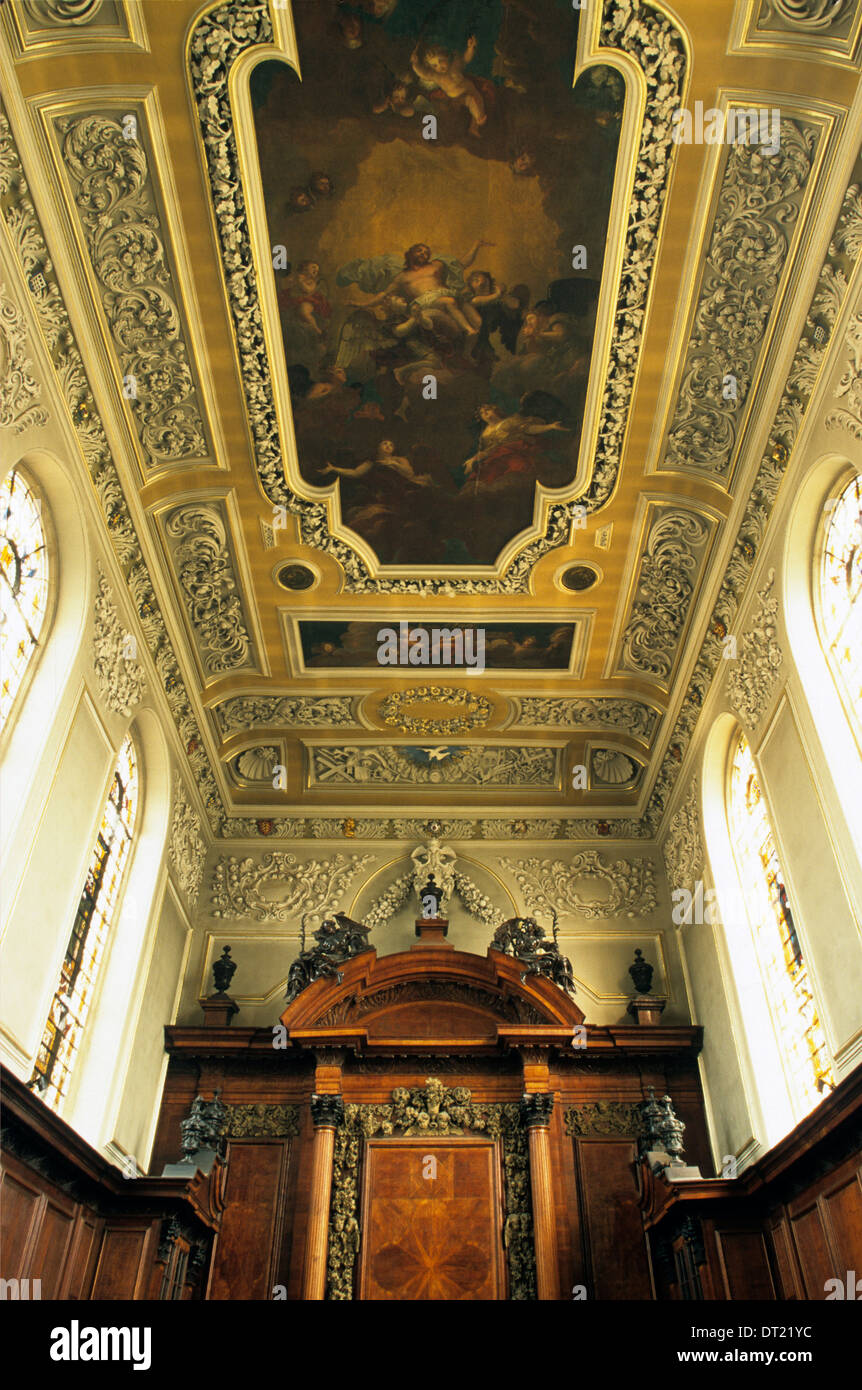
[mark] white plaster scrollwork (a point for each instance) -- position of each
(209, 586)
(281, 888)
(220, 36)
(754, 676)
(540, 711)
(245, 712)
(60, 13)
(664, 592)
(683, 848)
(552, 885)
(849, 389)
(186, 848)
(439, 860)
(119, 216)
(120, 677)
(492, 766)
(810, 15)
(20, 395)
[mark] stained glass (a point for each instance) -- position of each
(23, 585)
(74, 994)
(840, 589)
(785, 974)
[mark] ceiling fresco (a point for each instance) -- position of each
(430, 323)
(426, 179)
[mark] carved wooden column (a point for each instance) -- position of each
(536, 1110)
(327, 1112)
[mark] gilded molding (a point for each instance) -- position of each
(754, 675)
(121, 680)
(551, 885)
(217, 41)
(809, 16)
(281, 888)
(20, 393)
(119, 215)
(758, 208)
(474, 710)
(29, 245)
(433, 1109)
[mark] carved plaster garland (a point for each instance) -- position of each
(475, 765)
(551, 885)
(121, 680)
(245, 712)
(754, 676)
(218, 39)
(119, 216)
(305, 888)
(629, 716)
(209, 586)
(683, 848)
(186, 847)
(20, 393)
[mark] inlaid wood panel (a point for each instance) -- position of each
(616, 1255)
(431, 1221)
(251, 1230)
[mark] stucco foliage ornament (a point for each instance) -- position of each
(399, 892)
(683, 848)
(849, 389)
(29, 246)
(186, 847)
(113, 194)
(758, 207)
(479, 765)
(209, 586)
(218, 39)
(20, 394)
(432, 1109)
(281, 888)
(755, 674)
(664, 593)
(552, 885)
(474, 710)
(569, 712)
(246, 712)
(120, 677)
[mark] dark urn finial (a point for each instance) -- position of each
(641, 972)
(223, 971)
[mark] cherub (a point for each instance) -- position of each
(397, 100)
(437, 68)
(386, 458)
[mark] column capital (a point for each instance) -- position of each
(327, 1110)
(536, 1108)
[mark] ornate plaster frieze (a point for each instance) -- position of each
(258, 764)
(810, 354)
(433, 1109)
(551, 885)
(610, 767)
(281, 888)
(470, 711)
(246, 712)
(475, 766)
(115, 201)
(848, 416)
(758, 210)
(439, 860)
(656, 46)
(121, 680)
(683, 848)
(663, 593)
(754, 675)
(603, 1119)
(186, 846)
(411, 828)
(20, 393)
(197, 536)
(628, 716)
(260, 1120)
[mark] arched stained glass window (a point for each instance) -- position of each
(841, 597)
(96, 911)
(785, 976)
(23, 585)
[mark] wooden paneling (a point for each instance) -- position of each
(787, 1267)
(843, 1203)
(432, 1221)
(249, 1241)
(616, 1255)
(51, 1249)
(121, 1260)
(19, 1205)
(744, 1262)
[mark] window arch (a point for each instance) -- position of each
(800, 1036)
(97, 909)
(24, 585)
(839, 595)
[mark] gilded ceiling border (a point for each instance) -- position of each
(642, 32)
(817, 29)
(28, 242)
(58, 28)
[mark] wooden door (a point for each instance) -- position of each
(431, 1220)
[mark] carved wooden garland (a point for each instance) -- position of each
(434, 1109)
